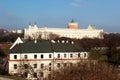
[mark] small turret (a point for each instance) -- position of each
(30, 25)
(35, 24)
(91, 27)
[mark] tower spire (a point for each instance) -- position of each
(72, 21)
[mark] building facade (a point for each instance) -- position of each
(37, 59)
(71, 32)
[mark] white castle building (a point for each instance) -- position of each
(37, 59)
(72, 31)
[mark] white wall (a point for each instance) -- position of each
(46, 60)
(62, 32)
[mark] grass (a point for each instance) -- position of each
(13, 77)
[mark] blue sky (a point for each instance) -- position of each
(18, 14)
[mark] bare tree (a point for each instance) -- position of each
(85, 71)
(53, 36)
(25, 69)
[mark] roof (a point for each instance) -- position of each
(67, 47)
(45, 46)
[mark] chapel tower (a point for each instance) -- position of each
(72, 25)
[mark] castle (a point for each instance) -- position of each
(72, 31)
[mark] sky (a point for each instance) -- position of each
(18, 14)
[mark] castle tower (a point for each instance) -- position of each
(72, 25)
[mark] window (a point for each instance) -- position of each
(49, 76)
(35, 56)
(26, 74)
(15, 66)
(78, 55)
(35, 75)
(41, 74)
(25, 66)
(50, 56)
(64, 55)
(25, 56)
(35, 65)
(49, 64)
(58, 64)
(15, 56)
(49, 68)
(65, 64)
(42, 65)
(42, 56)
(85, 55)
(71, 55)
(58, 55)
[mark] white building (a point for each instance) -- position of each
(71, 32)
(39, 58)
